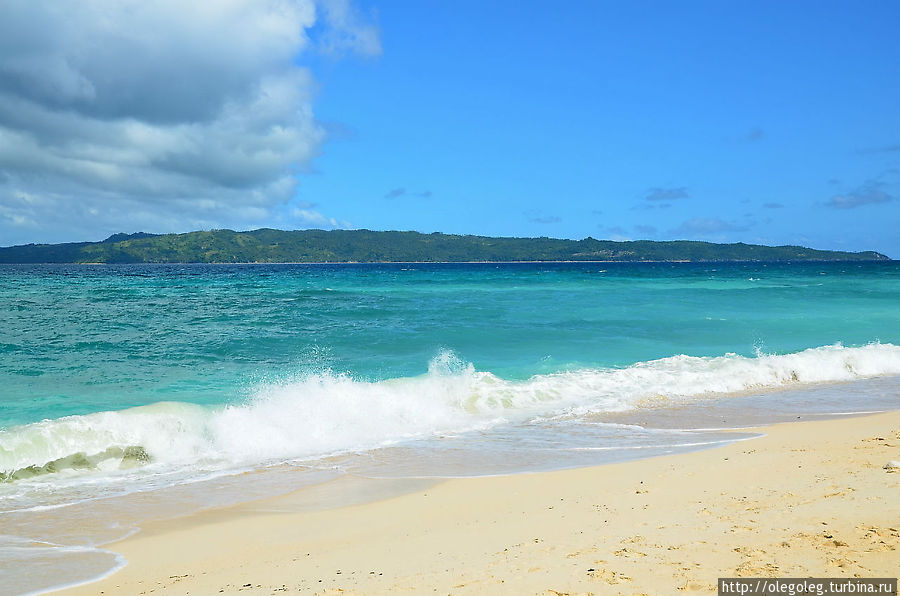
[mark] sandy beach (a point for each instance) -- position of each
(806, 499)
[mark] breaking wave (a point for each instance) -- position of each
(325, 413)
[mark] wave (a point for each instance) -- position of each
(326, 413)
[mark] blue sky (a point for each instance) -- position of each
(762, 122)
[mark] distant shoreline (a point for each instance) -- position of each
(570, 262)
(270, 246)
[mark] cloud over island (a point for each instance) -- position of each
(159, 115)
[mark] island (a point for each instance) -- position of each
(368, 246)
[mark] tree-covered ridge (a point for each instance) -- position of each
(367, 246)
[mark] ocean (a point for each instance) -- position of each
(130, 393)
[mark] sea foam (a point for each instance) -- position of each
(324, 413)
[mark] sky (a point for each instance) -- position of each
(761, 122)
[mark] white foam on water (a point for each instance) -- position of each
(326, 413)
(40, 564)
(311, 417)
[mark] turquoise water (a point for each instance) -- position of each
(76, 340)
(141, 379)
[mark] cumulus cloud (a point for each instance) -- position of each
(156, 115)
(773, 205)
(870, 193)
(645, 230)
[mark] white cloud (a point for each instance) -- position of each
(310, 217)
(165, 115)
(348, 31)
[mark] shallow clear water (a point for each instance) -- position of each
(123, 384)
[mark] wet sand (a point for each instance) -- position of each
(806, 499)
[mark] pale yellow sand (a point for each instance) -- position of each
(808, 499)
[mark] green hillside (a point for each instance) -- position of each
(366, 246)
